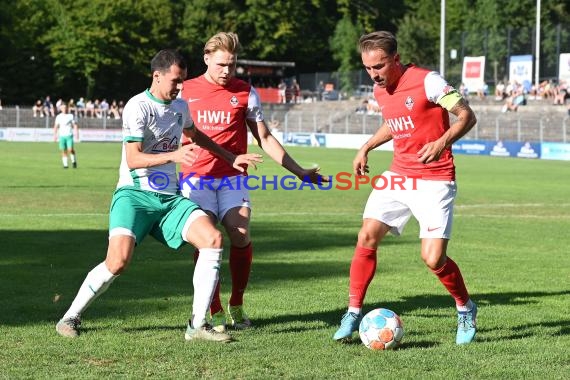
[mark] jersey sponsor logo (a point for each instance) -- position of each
(191, 100)
(213, 117)
(409, 103)
(234, 101)
(165, 145)
(400, 124)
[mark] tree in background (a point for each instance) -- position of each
(344, 50)
(97, 48)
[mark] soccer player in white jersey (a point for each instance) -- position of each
(147, 200)
(415, 105)
(224, 107)
(64, 128)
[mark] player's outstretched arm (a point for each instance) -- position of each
(239, 162)
(275, 150)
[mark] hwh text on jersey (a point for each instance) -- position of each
(213, 117)
(400, 124)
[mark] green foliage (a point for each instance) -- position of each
(345, 50)
(97, 48)
(120, 36)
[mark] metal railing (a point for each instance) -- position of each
(19, 117)
(533, 125)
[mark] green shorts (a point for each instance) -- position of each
(145, 212)
(66, 143)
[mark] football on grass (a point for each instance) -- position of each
(381, 329)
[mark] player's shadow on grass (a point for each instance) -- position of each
(431, 306)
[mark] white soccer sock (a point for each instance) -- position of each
(206, 274)
(64, 160)
(72, 158)
(95, 284)
(355, 310)
(467, 307)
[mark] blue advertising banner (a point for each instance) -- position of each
(498, 148)
(309, 139)
(555, 151)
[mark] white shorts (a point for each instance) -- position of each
(396, 198)
(217, 195)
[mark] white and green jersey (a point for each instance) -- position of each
(158, 125)
(65, 122)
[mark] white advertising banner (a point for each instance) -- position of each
(473, 74)
(564, 67)
(520, 69)
(46, 135)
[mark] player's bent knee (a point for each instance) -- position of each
(367, 238)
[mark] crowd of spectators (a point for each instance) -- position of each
(82, 108)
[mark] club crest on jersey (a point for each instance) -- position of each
(447, 89)
(178, 118)
(234, 101)
(409, 103)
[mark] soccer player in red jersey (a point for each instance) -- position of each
(223, 107)
(415, 105)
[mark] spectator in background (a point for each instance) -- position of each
(81, 107)
(320, 90)
(48, 107)
(97, 109)
(114, 110)
(515, 100)
(89, 109)
(38, 109)
(282, 88)
(560, 93)
(296, 90)
(58, 105)
(500, 91)
(104, 108)
(72, 108)
(363, 107)
(121, 107)
(482, 90)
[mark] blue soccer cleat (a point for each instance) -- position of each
(348, 324)
(466, 326)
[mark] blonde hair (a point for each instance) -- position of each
(226, 41)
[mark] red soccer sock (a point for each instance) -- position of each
(240, 267)
(216, 304)
(362, 270)
(450, 276)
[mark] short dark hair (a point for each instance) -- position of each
(166, 58)
(381, 40)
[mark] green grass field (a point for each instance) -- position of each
(510, 239)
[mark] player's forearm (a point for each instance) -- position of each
(276, 151)
(207, 143)
(465, 121)
(381, 136)
(141, 160)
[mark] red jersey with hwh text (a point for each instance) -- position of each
(415, 118)
(220, 112)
